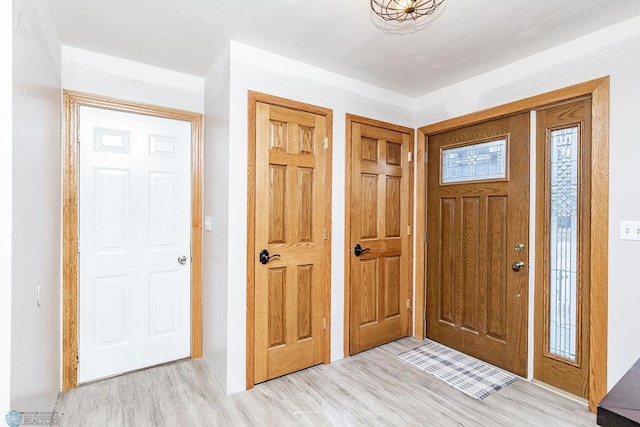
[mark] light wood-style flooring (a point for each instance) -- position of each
(373, 388)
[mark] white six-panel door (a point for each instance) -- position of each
(134, 227)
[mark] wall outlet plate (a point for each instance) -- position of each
(630, 230)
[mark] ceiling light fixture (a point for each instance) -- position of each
(403, 10)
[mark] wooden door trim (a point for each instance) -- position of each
(352, 118)
(70, 198)
(253, 99)
(598, 89)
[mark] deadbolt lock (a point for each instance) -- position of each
(518, 266)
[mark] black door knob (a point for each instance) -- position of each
(359, 250)
(264, 256)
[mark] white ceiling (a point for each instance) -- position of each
(467, 37)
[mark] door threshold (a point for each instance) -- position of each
(561, 392)
(131, 372)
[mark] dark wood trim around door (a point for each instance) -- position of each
(253, 99)
(598, 89)
(70, 172)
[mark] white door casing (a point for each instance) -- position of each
(134, 225)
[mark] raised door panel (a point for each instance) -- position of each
(164, 303)
(392, 206)
(277, 286)
(368, 296)
(498, 264)
(305, 205)
(112, 195)
(391, 287)
(394, 153)
(368, 206)
(304, 309)
(471, 283)
(163, 208)
(277, 203)
(112, 311)
(369, 150)
(447, 256)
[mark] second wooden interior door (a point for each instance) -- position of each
(381, 211)
(291, 241)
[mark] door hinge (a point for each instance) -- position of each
(77, 358)
(409, 156)
(408, 303)
(326, 142)
(78, 248)
(408, 230)
(78, 141)
(326, 234)
(425, 237)
(426, 157)
(324, 323)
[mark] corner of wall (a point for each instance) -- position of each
(6, 175)
(216, 207)
(36, 209)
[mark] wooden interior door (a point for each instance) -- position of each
(563, 234)
(477, 228)
(380, 217)
(291, 190)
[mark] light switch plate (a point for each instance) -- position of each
(207, 223)
(630, 230)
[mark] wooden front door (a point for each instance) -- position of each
(291, 187)
(478, 240)
(380, 217)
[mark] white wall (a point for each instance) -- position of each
(98, 74)
(36, 205)
(613, 51)
(258, 70)
(6, 126)
(216, 201)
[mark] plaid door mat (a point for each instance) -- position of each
(471, 376)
